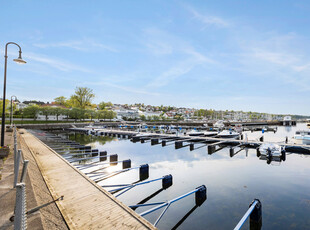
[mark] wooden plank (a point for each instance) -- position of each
(86, 205)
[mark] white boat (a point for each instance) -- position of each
(219, 124)
(271, 153)
(287, 120)
(228, 134)
(271, 150)
(238, 128)
(195, 133)
(302, 137)
(210, 133)
(200, 133)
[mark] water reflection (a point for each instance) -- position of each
(233, 180)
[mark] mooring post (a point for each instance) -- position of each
(126, 164)
(256, 216)
(231, 152)
(154, 141)
(201, 195)
(178, 144)
(20, 219)
(113, 159)
(167, 181)
(255, 213)
(103, 156)
(143, 172)
(283, 155)
(191, 147)
(211, 149)
(94, 152)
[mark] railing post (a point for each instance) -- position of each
(20, 219)
(24, 172)
(16, 167)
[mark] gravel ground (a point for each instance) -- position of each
(37, 193)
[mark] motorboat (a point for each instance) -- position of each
(302, 137)
(271, 148)
(228, 134)
(194, 133)
(200, 133)
(271, 152)
(210, 133)
(219, 124)
(287, 120)
(238, 128)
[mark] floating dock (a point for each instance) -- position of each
(191, 141)
(85, 205)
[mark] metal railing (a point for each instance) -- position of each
(20, 219)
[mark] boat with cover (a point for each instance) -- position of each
(228, 134)
(219, 124)
(200, 133)
(302, 137)
(271, 149)
(271, 153)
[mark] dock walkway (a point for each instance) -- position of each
(179, 139)
(85, 205)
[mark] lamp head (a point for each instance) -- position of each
(19, 60)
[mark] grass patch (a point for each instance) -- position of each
(46, 122)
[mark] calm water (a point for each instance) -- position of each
(232, 183)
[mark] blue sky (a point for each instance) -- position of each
(235, 55)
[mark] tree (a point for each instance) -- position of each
(31, 111)
(7, 106)
(143, 118)
(91, 113)
(82, 97)
(46, 111)
(57, 111)
(75, 113)
(61, 100)
(102, 105)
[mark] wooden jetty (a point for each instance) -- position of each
(85, 205)
(163, 139)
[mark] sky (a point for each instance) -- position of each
(234, 55)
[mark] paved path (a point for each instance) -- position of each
(86, 205)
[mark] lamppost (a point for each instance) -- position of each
(11, 117)
(19, 60)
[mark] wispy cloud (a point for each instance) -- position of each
(208, 20)
(186, 57)
(55, 63)
(280, 59)
(180, 69)
(80, 45)
(124, 88)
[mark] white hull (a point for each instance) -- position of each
(302, 141)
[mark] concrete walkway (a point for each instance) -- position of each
(37, 193)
